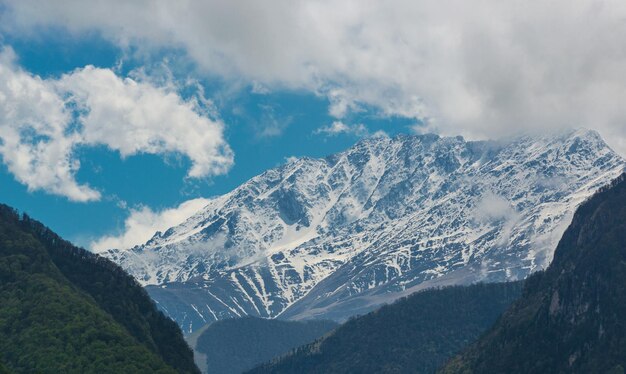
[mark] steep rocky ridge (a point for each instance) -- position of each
(328, 238)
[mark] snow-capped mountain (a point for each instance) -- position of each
(329, 238)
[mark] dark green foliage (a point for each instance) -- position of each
(119, 295)
(236, 345)
(3, 369)
(65, 310)
(572, 317)
(414, 335)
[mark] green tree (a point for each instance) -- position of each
(56, 318)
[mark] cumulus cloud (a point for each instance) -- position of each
(475, 68)
(143, 222)
(43, 121)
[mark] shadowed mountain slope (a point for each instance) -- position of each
(414, 335)
(572, 317)
(232, 346)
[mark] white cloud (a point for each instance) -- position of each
(495, 208)
(143, 222)
(270, 124)
(42, 121)
(475, 68)
(336, 127)
(291, 159)
(339, 127)
(258, 89)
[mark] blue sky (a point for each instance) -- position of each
(116, 117)
(263, 130)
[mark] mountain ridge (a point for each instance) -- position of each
(321, 238)
(570, 318)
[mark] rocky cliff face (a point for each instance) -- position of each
(337, 236)
(571, 317)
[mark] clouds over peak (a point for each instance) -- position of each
(479, 68)
(142, 223)
(339, 127)
(43, 121)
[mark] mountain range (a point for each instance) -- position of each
(566, 319)
(338, 236)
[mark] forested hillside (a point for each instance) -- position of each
(3, 369)
(414, 335)
(65, 310)
(572, 317)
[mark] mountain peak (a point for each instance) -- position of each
(325, 237)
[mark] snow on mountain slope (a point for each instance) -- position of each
(331, 237)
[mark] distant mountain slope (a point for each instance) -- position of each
(328, 238)
(413, 335)
(233, 346)
(572, 317)
(65, 310)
